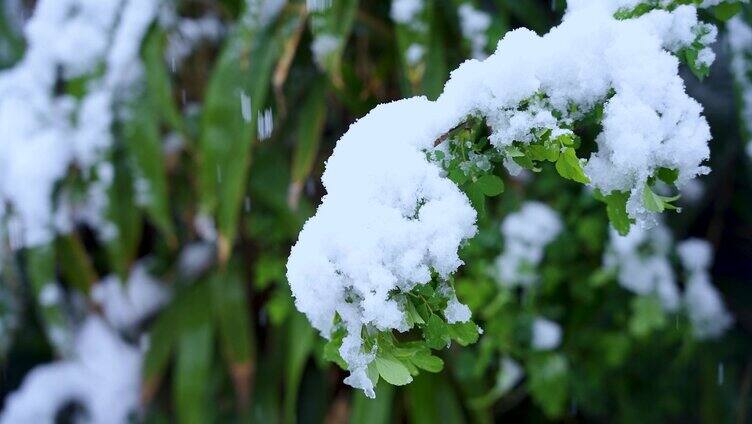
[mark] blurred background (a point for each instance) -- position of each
(159, 158)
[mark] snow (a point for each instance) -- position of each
(414, 54)
(526, 235)
(642, 261)
(642, 264)
(322, 46)
(546, 334)
(190, 33)
(104, 376)
(318, 5)
(50, 294)
(195, 258)
(703, 302)
(510, 373)
(391, 217)
(456, 311)
(474, 23)
(43, 132)
(740, 43)
(695, 254)
(127, 304)
(405, 11)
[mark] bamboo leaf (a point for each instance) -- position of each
(40, 270)
(432, 399)
(75, 264)
(421, 52)
(158, 80)
(230, 309)
(162, 341)
(144, 147)
(299, 347)
(236, 93)
(123, 232)
(531, 13)
(373, 411)
(312, 117)
(331, 27)
(194, 358)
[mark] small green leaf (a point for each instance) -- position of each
(490, 185)
(424, 360)
(616, 208)
(725, 11)
(651, 200)
(656, 203)
(436, 332)
(373, 373)
(393, 371)
(466, 333)
(413, 317)
(667, 175)
(569, 166)
(477, 198)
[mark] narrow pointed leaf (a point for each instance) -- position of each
(331, 26)
(230, 308)
(312, 117)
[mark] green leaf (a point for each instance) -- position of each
(689, 56)
(40, 270)
(334, 22)
(490, 185)
(195, 342)
(477, 198)
(424, 360)
(427, 72)
(725, 11)
(236, 93)
(373, 411)
(392, 370)
(331, 348)
(75, 264)
(413, 317)
(466, 333)
(162, 342)
(436, 332)
(158, 82)
(431, 398)
(144, 147)
(311, 121)
(647, 316)
(616, 208)
(124, 217)
(548, 383)
(656, 203)
(569, 166)
(667, 175)
(192, 371)
(299, 346)
(532, 14)
(230, 309)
